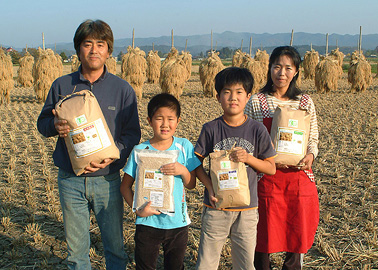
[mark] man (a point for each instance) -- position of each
(98, 188)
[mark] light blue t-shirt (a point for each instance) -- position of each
(187, 158)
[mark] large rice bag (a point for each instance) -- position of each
(150, 183)
(229, 179)
(89, 139)
(290, 133)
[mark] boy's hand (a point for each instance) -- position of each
(239, 154)
(213, 200)
(147, 211)
(173, 169)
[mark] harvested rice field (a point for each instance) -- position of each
(346, 171)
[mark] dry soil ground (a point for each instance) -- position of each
(31, 229)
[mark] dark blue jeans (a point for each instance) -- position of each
(78, 196)
(147, 245)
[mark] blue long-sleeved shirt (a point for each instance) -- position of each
(118, 104)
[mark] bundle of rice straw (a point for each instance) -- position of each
(25, 71)
(257, 70)
(174, 73)
(208, 69)
(310, 60)
(327, 73)
(75, 63)
(111, 65)
(338, 56)
(59, 65)
(237, 58)
(45, 71)
(359, 73)
(133, 69)
(6, 77)
(153, 67)
(187, 58)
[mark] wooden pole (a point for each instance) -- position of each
(26, 48)
(172, 43)
(43, 41)
(360, 46)
(326, 44)
(250, 46)
(133, 39)
(186, 44)
(292, 37)
(241, 46)
(211, 37)
(311, 47)
(337, 44)
(153, 47)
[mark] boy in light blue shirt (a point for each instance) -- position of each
(154, 228)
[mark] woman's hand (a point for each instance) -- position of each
(304, 164)
(307, 162)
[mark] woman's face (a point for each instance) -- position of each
(282, 72)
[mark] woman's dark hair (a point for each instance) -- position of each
(233, 75)
(95, 29)
(293, 91)
(163, 100)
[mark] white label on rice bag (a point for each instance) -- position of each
(293, 123)
(290, 141)
(153, 179)
(225, 164)
(228, 179)
(157, 198)
(81, 120)
(89, 139)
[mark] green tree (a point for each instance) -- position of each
(120, 55)
(33, 52)
(15, 57)
(225, 52)
(63, 55)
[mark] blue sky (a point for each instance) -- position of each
(22, 22)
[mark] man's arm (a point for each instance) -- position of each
(130, 130)
(46, 119)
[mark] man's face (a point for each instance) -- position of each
(93, 54)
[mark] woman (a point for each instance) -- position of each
(288, 200)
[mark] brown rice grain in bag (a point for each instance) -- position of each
(290, 133)
(89, 139)
(229, 179)
(150, 183)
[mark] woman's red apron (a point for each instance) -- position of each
(288, 209)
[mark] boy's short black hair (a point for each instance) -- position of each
(163, 100)
(233, 75)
